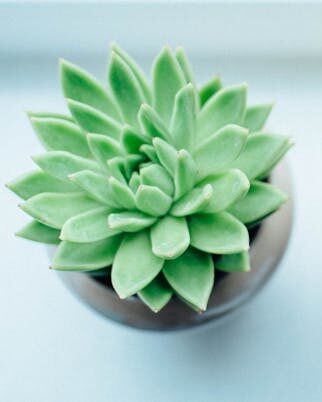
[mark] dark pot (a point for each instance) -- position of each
(230, 292)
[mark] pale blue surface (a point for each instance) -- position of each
(54, 349)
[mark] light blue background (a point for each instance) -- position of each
(54, 349)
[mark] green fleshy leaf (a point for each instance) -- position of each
(61, 164)
(279, 155)
(185, 65)
(261, 200)
(228, 187)
(156, 294)
(103, 148)
(135, 266)
(88, 227)
(121, 194)
(150, 152)
(54, 209)
(151, 123)
(209, 89)
(219, 233)
(234, 262)
(80, 86)
(152, 200)
(93, 121)
(260, 152)
(194, 201)
(121, 167)
(50, 115)
(88, 256)
(170, 237)
(132, 221)
(35, 182)
(156, 175)
(136, 70)
(256, 116)
(132, 140)
(95, 185)
(60, 135)
(167, 80)
(125, 88)
(167, 154)
(134, 182)
(185, 173)
(192, 277)
(36, 231)
(183, 121)
(220, 149)
(227, 106)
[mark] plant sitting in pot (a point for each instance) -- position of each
(155, 186)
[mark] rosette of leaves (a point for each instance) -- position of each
(147, 182)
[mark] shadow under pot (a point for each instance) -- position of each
(231, 290)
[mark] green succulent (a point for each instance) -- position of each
(148, 182)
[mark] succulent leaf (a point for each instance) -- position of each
(170, 237)
(261, 200)
(256, 116)
(157, 175)
(233, 262)
(132, 139)
(219, 233)
(89, 257)
(132, 221)
(152, 124)
(227, 106)
(121, 194)
(185, 173)
(156, 294)
(166, 153)
(54, 209)
(50, 115)
(191, 276)
(167, 80)
(135, 266)
(103, 148)
(194, 201)
(92, 120)
(209, 89)
(36, 231)
(88, 227)
(152, 200)
(60, 135)
(185, 65)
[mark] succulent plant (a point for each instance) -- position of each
(154, 184)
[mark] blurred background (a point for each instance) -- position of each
(52, 348)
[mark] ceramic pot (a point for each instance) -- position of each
(230, 292)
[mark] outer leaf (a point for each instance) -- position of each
(151, 123)
(80, 86)
(134, 182)
(126, 89)
(95, 185)
(219, 150)
(60, 135)
(92, 120)
(156, 294)
(167, 80)
(32, 183)
(132, 140)
(185, 65)
(166, 154)
(219, 233)
(170, 237)
(61, 164)
(135, 266)
(183, 122)
(234, 262)
(50, 116)
(279, 155)
(261, 200)
(130, 221)
(228, 187)
(88, 227)
(156, 175)
(121, 194)
(136, 70)
(227, 106)
(54, 209)
(260, 152)
(191, 276)
(194, 201)
(152, 200)
(185, 173)
(103, 148)
(36, 231)
(88, 257)
(209, 89)
(256, 116)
